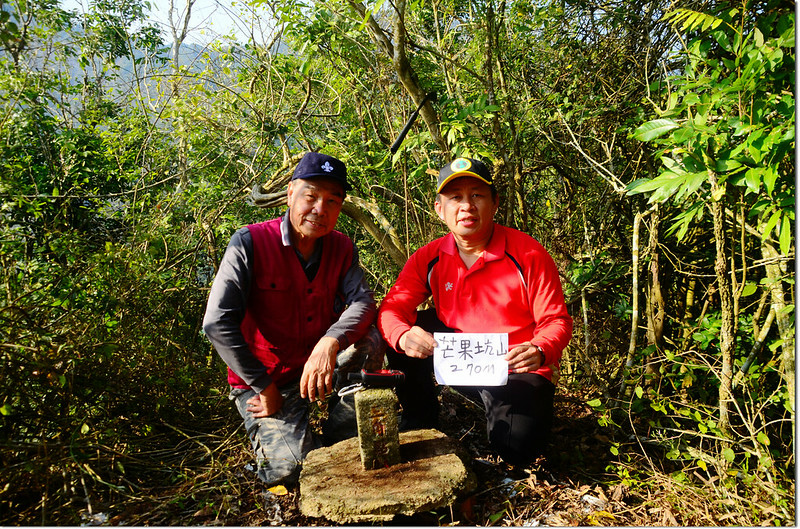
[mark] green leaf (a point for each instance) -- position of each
(729, 455)
(749, 289)
(595, 403)
(786, 235)
(5, 409)
(758, 38)
(654, 129)
(727, 165)
(673, 165)
(639, 391)
(642, 185)
(496, 516)
(770, 225)
(693, 183)
(753, 179)
(770, 177)
(762, 438)
(722, 39)
(84, 429)
(666, 185)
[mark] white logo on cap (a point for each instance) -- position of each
(327, 167)
(448, 286)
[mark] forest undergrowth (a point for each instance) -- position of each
(196, 473)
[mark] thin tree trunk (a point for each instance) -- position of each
(178, 36)
(395, 48)
(655, 300)
(776, 272)
(588, 365)
(637, 221)
(726, 337)
(380, 228)
(691, 291)
(511, 164)
(776, 269)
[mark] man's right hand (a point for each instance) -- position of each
(417, 342)
(266, 403)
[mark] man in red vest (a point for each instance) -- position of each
(289, 295)
(483, 278)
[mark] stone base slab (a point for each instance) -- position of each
(432, 474)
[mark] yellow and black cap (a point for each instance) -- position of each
(463, 167)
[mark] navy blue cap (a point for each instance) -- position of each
(318, 165)
(463, 167)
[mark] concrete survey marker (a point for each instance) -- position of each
(376, 416)
(431, 473)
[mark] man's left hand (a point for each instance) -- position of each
(524, 358)
(317, 379)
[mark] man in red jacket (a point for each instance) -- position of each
(484, 278)
(288, 297)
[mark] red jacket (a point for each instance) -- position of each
(513, 288)
(285, 306)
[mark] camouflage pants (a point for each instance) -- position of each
(281, 442)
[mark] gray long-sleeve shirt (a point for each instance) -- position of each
(227, 303)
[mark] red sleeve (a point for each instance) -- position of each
(553, 322)
(398, 310)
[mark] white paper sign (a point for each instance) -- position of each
(470, 359)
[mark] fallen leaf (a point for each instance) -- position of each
(278, 490)
(619, 492)
(668, 518)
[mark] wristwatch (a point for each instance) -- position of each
(541, 352)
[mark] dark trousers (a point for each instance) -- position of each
(519, 415)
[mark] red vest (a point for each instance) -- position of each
(286, 313)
